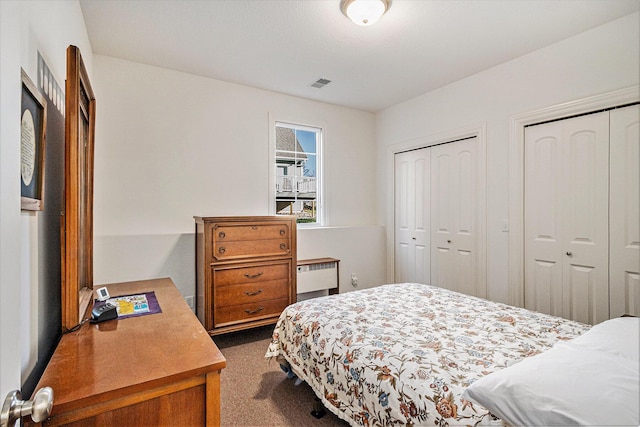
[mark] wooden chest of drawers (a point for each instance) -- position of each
(245, 270)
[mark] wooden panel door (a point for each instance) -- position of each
(412, 239)
(542, 218)
(566, 218)
(585, 211)
(453, 216)
(624, 198)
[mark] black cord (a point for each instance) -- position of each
(75, 328)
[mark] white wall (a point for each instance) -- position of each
(597, 61)
(170, 145)
(359, 249)
(27, 27)
(10, 15)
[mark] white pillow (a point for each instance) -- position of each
(592, 381)
(620, 336)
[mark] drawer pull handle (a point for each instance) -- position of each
(257, 310)
(254, 228)
(222, 249)
(252, 294)
(252, 276)
(221, 234)
(282, 232)
(283, 246)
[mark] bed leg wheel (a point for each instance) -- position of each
(318, 409)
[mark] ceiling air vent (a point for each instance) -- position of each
(320, 83)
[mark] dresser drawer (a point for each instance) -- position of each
(251, 293)
(240, 240)
(225, 275)
(226, 232)
(250, 249)
(250, 311)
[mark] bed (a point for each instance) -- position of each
(404, 354)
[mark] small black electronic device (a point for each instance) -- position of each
(103, 312)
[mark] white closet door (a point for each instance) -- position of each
(542, 218)
(624, 200)
(566, 218)
(453, 216)
(585, 211)
(412, 175)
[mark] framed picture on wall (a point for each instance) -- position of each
(33, 118)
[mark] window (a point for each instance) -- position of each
(298, 172)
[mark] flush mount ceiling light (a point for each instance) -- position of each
(364, 12)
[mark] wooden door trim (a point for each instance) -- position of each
(517, 124)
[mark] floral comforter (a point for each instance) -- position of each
(402, 354)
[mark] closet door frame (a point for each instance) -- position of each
(478, 131)
(517, 123)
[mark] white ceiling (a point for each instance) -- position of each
(285, 45)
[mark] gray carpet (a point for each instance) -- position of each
(255, 392)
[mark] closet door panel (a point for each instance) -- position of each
(580, 294)
(421, 235)
(436, 218)
(626, 297)
(464, 199)
(412, 215)
(464, 217)
(422, 269)
(566, 218)
(464, 272)
(585, 217)
(587, 203)
(543, 293)
(403, 261)
(453, 226)
(442, 268)
(442, 190)
(625, 211)
(543, 216)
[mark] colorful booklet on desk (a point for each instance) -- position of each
(134, 305)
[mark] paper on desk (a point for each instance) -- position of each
(130, 304)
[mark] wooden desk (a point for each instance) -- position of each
(159, 369)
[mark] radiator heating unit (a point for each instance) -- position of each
(317, 275)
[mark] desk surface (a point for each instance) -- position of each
(103, 361)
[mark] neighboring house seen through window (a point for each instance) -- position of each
(298, 171)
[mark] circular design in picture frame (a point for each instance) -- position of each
(27, 148)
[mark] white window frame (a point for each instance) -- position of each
(305, 125)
